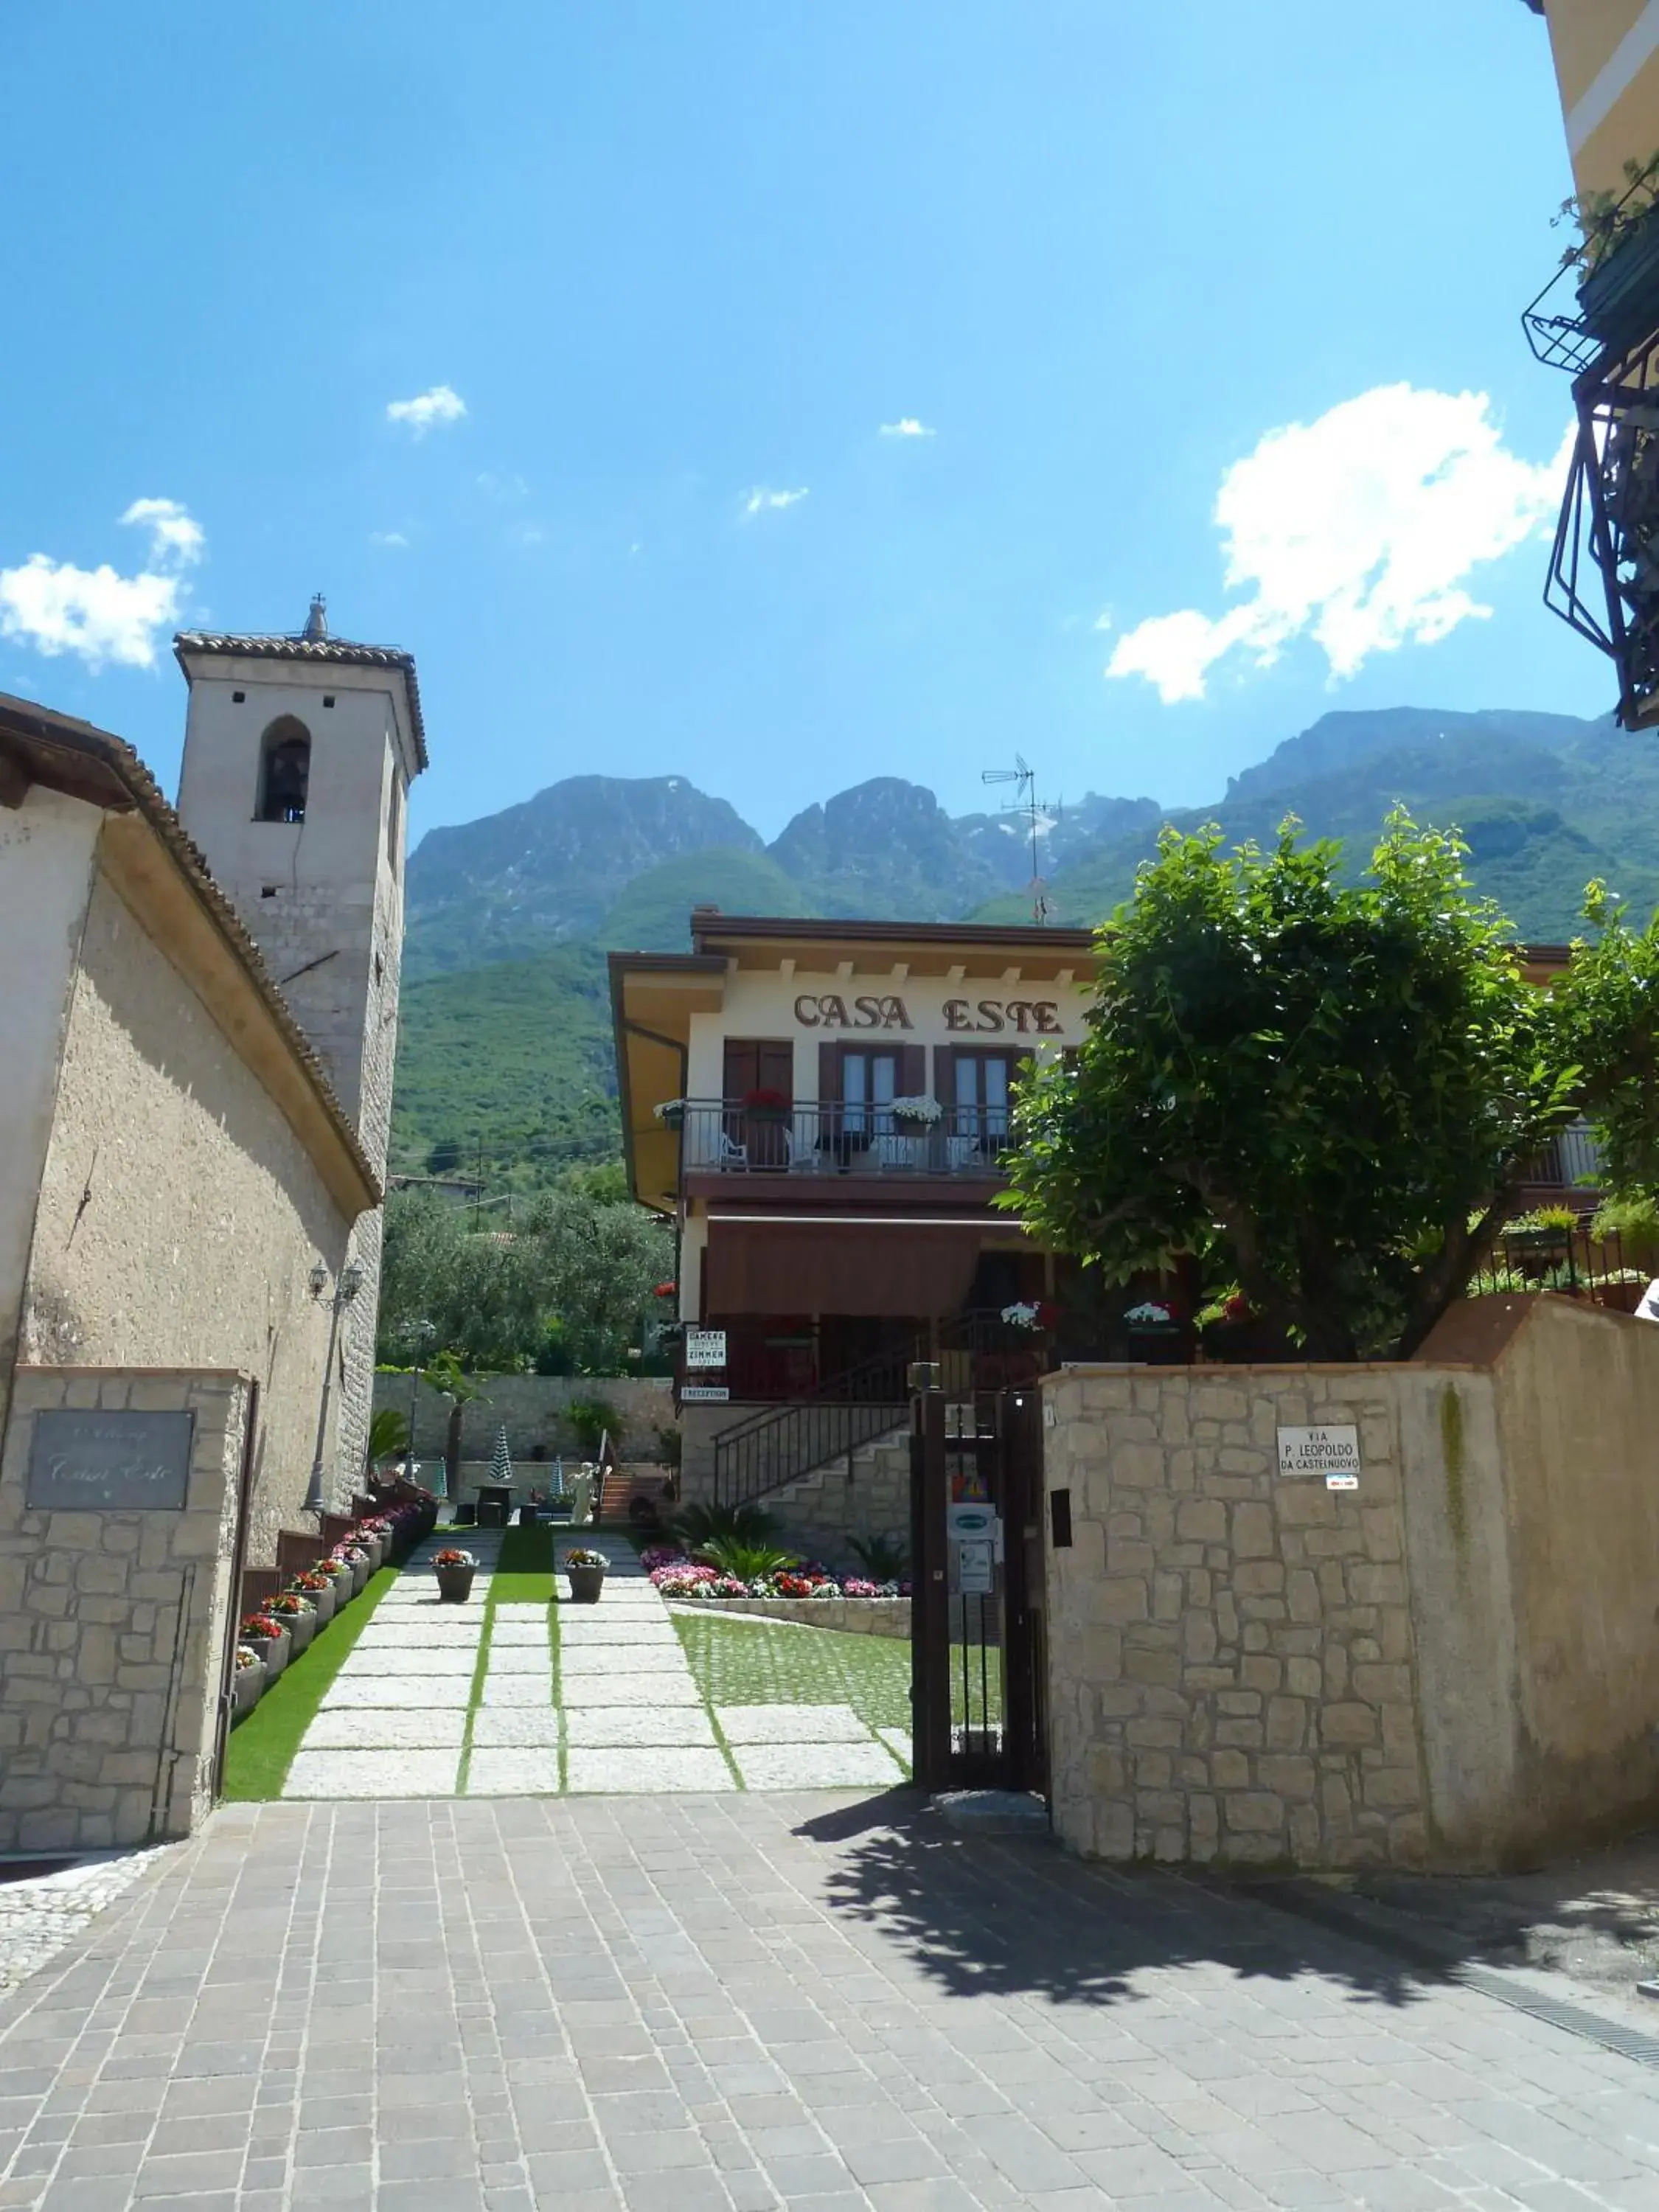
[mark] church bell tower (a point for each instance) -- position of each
(299, 753)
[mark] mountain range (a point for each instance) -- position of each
(506, 1038)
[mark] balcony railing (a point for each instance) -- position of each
(1570, 1161)
(820, 1137)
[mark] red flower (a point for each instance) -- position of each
(666, 1291)
(766, 1101)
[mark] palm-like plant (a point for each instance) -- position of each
(695, 1525)
(884, 1559)
(748, 1563)
(388, 1436)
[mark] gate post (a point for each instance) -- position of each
(930, 1625)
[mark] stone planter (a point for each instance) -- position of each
(586, 1584)
(454, 1583)
(324, 1602)
(362, 1568)
(275, 1651)
(301, 1627)
(340, 1590)
(375, 1546)
(244, 1689)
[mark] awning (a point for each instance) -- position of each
(885, 1266)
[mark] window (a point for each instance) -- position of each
(284, 771)
(973, 1088)
(869, 1083)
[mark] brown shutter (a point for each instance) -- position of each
(945, 1075)
(912, 1071)
(829, 1097)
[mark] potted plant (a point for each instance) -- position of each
(340, 1579)
(268, 1637)
(586, 1571)
(247, 1680)
(296, 1616)
(454, 1569)
(1618, 254)
(321, 1588)
(914, 1116)
(670, 1112)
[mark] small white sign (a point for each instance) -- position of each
(976, 1573)
(1331, 1452)
(962, 1522)
(705, 1348)
(704, 1393)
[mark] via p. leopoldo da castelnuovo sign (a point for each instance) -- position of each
(1333, 1452)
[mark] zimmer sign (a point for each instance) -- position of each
(1333, 1452)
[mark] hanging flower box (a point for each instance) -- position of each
(1619, 301)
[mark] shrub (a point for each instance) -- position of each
(746, 1563)
(592, 1419)
(883, 1559)
(695, 1525)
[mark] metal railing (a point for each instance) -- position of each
(1571, 1160)
(1570, 1261)
(827, 1426)
(832, 1137)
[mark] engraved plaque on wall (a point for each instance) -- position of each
(110, 1462)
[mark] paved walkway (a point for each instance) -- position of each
(739, 2003)
(499, 1698)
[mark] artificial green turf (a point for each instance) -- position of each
(524, 1569)
(262, 1747)
(760, 1663)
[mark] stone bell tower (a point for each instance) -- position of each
(299, 753)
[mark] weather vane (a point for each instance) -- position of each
(1039, 816)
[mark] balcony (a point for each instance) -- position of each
(826, 1137)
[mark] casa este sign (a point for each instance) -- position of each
(829, 1010)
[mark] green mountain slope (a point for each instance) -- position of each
(652, 915)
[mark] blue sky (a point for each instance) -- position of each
(675, 263)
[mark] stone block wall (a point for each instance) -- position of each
(112, 1627)
(1231, 1650)
(533, 1407)
(820, 1510)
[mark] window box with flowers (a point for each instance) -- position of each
(296, 1615)
(321, 1589)
(356, 1562)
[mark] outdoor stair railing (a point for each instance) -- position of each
(827, 1426)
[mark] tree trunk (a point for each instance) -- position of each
(452, 1454)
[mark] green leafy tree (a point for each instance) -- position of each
(446, 1376)
(595, 1263)
(1328, 1091)
(1605, 1018)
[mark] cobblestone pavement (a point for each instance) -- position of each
(600, 1698)
(39, 1915)
(738, 2002)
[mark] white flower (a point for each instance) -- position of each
(918, 1108)
(1148, 1312)
(1020, 1315)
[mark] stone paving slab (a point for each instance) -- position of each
(387, 1728)
(523, 1689)
(645, 1771)
(612, 1689)
(816, 1766)
(519, 1772)
(651, 1658)
(791, 1724)
(521, 1659)
(507, 1629)
(421, 1658)
(900, 1742)
(514, 1727)
(373, 1773)
(616, 1726)
(412, 1691)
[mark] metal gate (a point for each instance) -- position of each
(977, 1706)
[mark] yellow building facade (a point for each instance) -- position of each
(1607, 65)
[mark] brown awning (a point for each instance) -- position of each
(912, 1269)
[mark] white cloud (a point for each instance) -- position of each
(174, 535)
(1357, 529)
(97, 613)
(907, 427)
(439, 405)
(393, 540)
(761, 501)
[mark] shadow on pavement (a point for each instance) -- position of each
(994, 1915)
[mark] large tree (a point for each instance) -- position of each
(1327, 1091)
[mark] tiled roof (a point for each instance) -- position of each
(340, 652)
(105, 771)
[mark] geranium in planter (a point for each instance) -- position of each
(321, 1589)
(585, 1573)
(454, 1569)
(269, 1637)
(297, 1615)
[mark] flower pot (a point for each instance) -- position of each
(246, 1686)
(301, 1627)
(454, 1583)
(361, 1567)
(1617, 300)
(585, 1584)
(325, 1602)
(274, 1651)
(374, 1544)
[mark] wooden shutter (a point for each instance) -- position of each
(944, 1076)
(740, 1072)
(912, 1071)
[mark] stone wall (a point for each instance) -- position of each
(180, 1214)
(532, 1406)
(1456, 1663)
(821, 1509)
(113, 1626)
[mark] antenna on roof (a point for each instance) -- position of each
(1023, 775)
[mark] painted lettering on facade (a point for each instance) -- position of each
(978, 1017)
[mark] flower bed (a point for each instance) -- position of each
(678, 1577)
